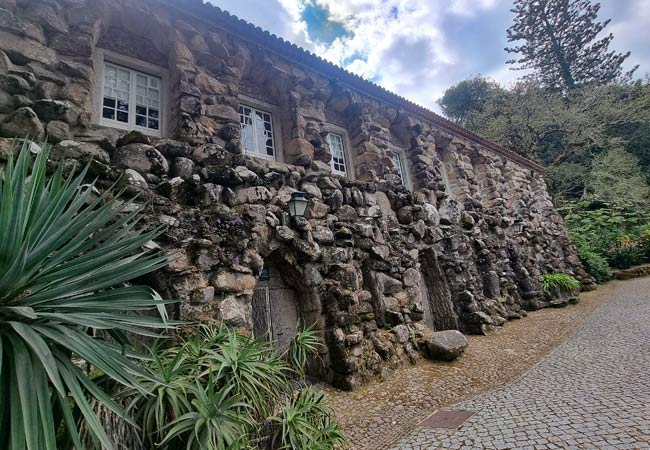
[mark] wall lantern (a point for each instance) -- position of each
(298, 204)
(518, 225)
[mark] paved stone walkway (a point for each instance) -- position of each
(593, 392)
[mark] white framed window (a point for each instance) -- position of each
(131, 99)
(337, 147)
(402, 171)
(257, 132)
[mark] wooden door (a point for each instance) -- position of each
(275, 315)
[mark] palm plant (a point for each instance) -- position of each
(304, 344)
(306, 422)
(255, 371)
(216, 421)
(220, 390)
(169, 395)
(65, 259)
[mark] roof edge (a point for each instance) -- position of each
(214, 16)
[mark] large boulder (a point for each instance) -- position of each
(446, 345)
(141, 157)
(23, 123)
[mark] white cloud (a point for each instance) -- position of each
(397, 43)
(403, 45)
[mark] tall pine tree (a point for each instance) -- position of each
(558, 41)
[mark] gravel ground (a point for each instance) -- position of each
(378, 415)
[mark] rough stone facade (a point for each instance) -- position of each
(375, 265)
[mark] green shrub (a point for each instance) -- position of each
(64, 261)
(618, 233)
(306, 423)
(626, 252)
(560, 281)
(305, 343)
(595, 264)
(220, 390)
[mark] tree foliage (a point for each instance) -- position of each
(559, 42)
(616, 178)
(465, 97)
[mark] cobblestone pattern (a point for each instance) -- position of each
(593, 392)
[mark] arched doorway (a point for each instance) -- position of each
(275, 312)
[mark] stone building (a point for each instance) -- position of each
(409, 227)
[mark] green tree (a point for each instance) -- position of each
(466, 97)
(616, 178)
(525, 118)
(559, 43)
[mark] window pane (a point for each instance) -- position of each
(110, 102)
(398, 166)
(153, 124)
(108, 113)
(140, 110)
(123, 116)
(141, 121)
(122, 105)
(335, 142)
(153, 113)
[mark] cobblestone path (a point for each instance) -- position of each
(593, 392)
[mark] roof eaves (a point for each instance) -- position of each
(215, 16)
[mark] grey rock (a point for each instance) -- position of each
(141, 157)
(246, 174)
(133, 137)
(57, 131)
(83, 151)
(23, 123)
(183, 168)
(50, 109)
(446, 345)
(173, 149)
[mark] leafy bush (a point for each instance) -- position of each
(619, 234)
(220, 390)
(560, 281)
(626, 252)
(595, 264)
(65, 259)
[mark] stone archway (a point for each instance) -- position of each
(438, 307)
(275, 310)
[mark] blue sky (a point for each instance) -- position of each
(418, 48)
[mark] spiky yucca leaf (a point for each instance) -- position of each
(64, 261)
(305, 344)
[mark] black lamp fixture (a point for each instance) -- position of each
(298, 204)
(518, 225)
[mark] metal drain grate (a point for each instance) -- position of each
(447, 419)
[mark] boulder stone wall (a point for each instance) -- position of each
(376, 265)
